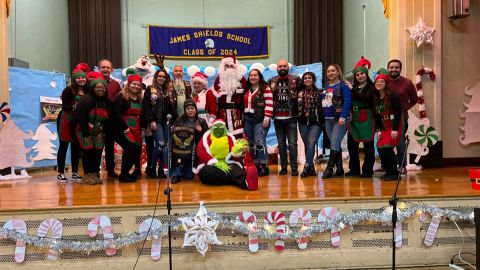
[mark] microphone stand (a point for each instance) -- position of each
(168, 190)
(393, 202)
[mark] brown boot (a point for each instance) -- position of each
(97, 178)
(89, 179)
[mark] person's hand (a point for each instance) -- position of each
(88, 140)
(198, 127)
(348, 84)
(341, 121)
(126, 131)
(153, 126)
(379, 135)
(394, 134)
(266, 122)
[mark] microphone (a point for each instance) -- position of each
(169, 117)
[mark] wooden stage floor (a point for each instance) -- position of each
(44, 192)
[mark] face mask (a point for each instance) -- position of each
(218, 131)
(154, 97)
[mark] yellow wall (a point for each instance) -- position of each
(3, 54)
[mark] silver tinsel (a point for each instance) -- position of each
(340, 222)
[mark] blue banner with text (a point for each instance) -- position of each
(200, 42)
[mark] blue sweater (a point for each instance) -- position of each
(328, 107)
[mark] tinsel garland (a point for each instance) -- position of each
(382, 215)
(419, 86)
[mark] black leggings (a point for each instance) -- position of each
(389, 161)
(91, 161)
(131, 152)
(149, 150)
(62, 155)
(354, 163)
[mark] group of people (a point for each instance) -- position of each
(220, 132)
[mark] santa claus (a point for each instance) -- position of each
(204, 98)
(220, 159)
(228, 87)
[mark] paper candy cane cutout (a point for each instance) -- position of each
(432, 230)
(306, 216)
(19, 226)
(57, 231)
(398, 234)
(329, 213)
(156, 238)
(106, 225)
(423, 217)
(250, 219)
(277, 218)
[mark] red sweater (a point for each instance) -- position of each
(405, 89)
(113, 89)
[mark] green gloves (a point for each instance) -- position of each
(223, 166)
(240, 146)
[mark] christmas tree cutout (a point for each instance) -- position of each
(44, 147)
(13, 150)
(470, 131)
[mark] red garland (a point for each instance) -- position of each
(419, 86)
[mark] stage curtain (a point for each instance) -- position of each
(95, 31)
(318, 31)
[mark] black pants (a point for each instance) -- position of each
(389, 161)
(211, 175)
(368, 150)
(109, 149)
(131, 152)
(149, 150)
(91, 161)
(62, 155)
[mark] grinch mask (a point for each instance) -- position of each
(218, 130)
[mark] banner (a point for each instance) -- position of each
(200, 42)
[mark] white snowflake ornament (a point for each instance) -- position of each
(200, 230)
(421, 33)
(53, 84)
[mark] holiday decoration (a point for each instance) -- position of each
(470, 131)
(191, 70)
(398, 234)
(422, 136)
(106, 225)
(419, 87)
(421, 33)
(44, 147)
(327, 215)
(57, 229)
(200, 230)
(258, 66)
(474, 177)
(53, 84)
(4, 111)
(142, 67)
(426, 135)
(250, 220)
(432, 230)
(17, 225)
(276, 218)
(12, 142)
(306, 217)
(148, 225)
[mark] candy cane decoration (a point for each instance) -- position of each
(4, 111)
(106, 225)
(277, 218)
(250, 220)
(432, 230)
(57, 231)
(398, 234)
(419, 86)
(19, 226)
(153, 224)
(306, 216)
(423, 217)
(329, 214)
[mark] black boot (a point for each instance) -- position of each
(283, 171)
(306, 168)
(151, 172)
(328, 173)
(294, 171)
(263, 170)
(339, 164)
(161, 172)
(311, 170)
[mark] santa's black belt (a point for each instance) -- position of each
(229, 106)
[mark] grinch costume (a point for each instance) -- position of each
(220, 159)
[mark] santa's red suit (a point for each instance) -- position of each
(205, 100)
(230, 101)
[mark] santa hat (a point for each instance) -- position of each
(200, 77)
(231, 59)
(189, 102)
(80, 70)
(363, 65)
(219, 121)
(96, 77)
(134, 77)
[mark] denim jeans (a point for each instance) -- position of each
(336, 132)
(256, 136)
(287, 129)
(182, 169)
(310, 134)
(159, 137)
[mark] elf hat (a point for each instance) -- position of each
(134, 77)
(96, 77)
(384, 77)
(363, 65)
(80, 70)
(200, 77)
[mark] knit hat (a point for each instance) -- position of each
(96, 77)
(134, 77)
(200, 77)
(80, 70)
(189, 102)
(361, 66)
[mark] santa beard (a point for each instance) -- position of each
(229, 81)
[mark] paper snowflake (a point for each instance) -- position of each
(421, 33)
(200, 230)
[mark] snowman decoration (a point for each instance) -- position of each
(142, 67)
